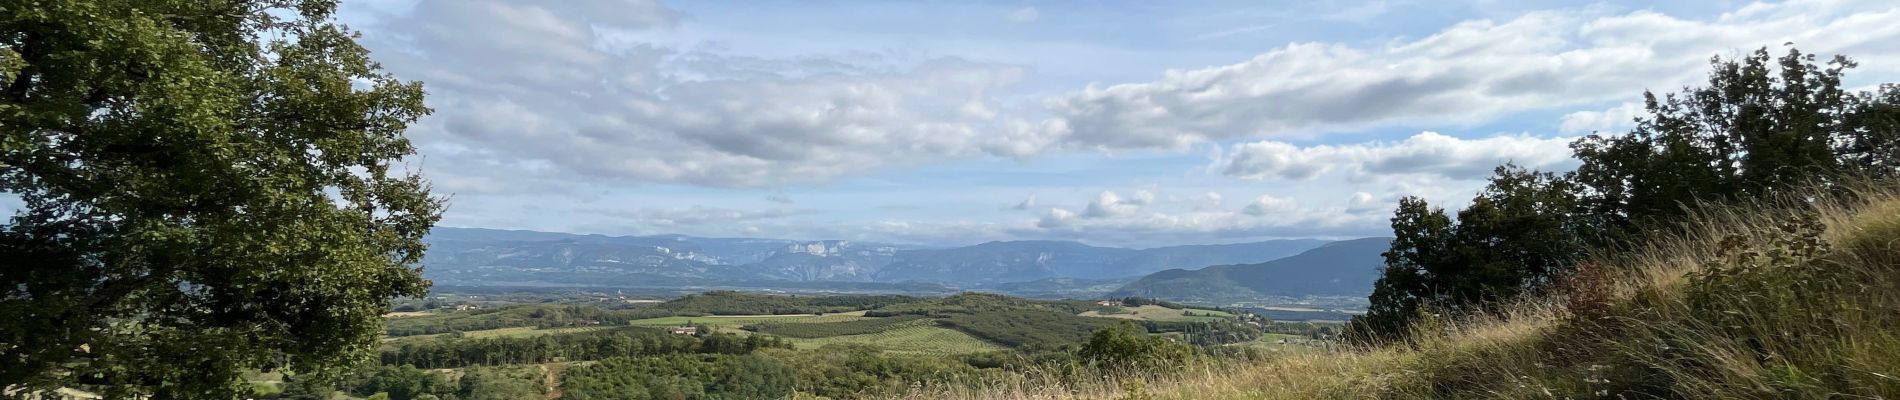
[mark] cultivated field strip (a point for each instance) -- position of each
(916, 337)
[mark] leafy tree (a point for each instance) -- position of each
(296, 388)
(1515, 237)
(208, 187)
(1421, 237)
(1872, 145)
(403, 383)
(493, 384)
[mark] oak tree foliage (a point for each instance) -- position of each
(206, 187)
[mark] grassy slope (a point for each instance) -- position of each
(1818, 329)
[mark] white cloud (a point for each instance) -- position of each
(1108, 204)
(1472, 72)
(535, 82)
(1024, 15)
(1425, 153)
(1190, 221)
(576, 85)
(1362, 202)
(1056, 218)
(595, 96)
(1142, 198)
(1268, 205)
(1026, 204)
(1618, 119)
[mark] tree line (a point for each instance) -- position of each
(535, 315)
(619, 342)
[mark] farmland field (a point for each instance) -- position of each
(819, 330)
(1159, 313)
(527, 331)
(917, 337)
(736, 320)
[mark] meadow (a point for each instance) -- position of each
(912, 337)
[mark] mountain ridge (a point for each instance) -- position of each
(471, 255)
(1341, 268)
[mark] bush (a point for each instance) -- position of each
(1127, 347)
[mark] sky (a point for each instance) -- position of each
(1135, 124)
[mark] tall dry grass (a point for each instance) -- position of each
(1793, 297)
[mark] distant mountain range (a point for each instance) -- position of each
(488, 257)
(1344, 268)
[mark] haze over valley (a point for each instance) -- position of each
(1336, 274)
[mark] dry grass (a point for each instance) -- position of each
(1827, 327)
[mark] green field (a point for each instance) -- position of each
(919, 337)
(737, 320)
(519, 331)
(1159, 313)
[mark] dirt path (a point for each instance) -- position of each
(551, 379)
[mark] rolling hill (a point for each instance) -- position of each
(1343, 268)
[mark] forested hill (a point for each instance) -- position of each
(1343, 268)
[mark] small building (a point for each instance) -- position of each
(466, 307)
(1108, 303)
(686, 330)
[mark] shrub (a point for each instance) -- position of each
(1126, 346)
